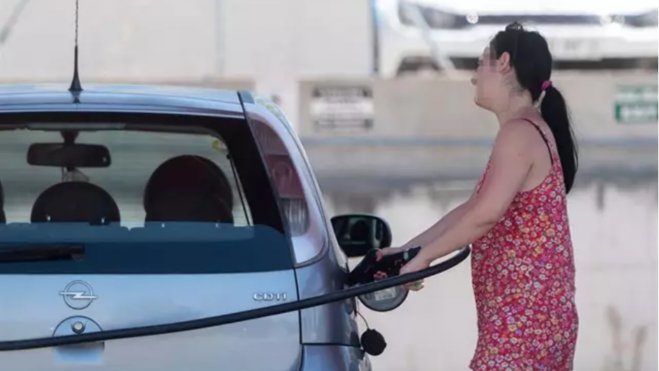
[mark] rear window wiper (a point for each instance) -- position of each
(41, 252)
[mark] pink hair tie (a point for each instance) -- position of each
(546, 85)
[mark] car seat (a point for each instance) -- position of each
(188, 188)
(75, 202)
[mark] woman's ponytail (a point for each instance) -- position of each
(532, 61)
(555, 113)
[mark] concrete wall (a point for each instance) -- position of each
(370, 168)
(119, 39)
(443, 108)
(273, 42)
(614, 235)
(277, 39)
(430, 128)
(279, 42)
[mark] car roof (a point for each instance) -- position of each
(122, 98)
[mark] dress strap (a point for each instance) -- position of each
(542, 134)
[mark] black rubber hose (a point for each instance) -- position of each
(226, 319)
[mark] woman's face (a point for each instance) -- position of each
(489, 80)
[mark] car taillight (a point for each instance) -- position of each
(287, 181)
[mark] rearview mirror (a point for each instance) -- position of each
(68, 155)
(359, 233)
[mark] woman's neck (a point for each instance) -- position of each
(517, 108)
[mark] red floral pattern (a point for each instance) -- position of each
(523, 279)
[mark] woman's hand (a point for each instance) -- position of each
(390, 250)
(382, 253)
(414, 265)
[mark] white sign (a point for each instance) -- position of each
(342, 107)
(636, 104)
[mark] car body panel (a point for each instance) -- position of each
(321, 338)
(310, 245)
(322, 265)
(333, 323)
(120, 98)
(122, 90)
(334, 358)
(125, 301)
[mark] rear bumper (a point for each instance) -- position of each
(568, 43)
(334, 358)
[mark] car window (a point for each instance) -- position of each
(173, 200)
(135, 157)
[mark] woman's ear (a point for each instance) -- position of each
(503, 63)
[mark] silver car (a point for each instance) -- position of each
(154, 228)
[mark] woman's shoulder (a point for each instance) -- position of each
(514, 137)
(523, 135)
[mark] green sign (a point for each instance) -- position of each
(636, 104)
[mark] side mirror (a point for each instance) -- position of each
(359, 233)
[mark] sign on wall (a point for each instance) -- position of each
(342, 107)
(635, 104)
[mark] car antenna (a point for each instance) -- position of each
(76, 87)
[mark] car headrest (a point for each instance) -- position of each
(75, 202)
(187, 177)
(189, 207)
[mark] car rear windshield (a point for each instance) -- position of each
(142, 194)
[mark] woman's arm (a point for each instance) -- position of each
(434, 231)
(509, 167)
(438, 228)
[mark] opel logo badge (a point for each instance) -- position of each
(78, 295)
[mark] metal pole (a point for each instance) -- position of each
(375, 29)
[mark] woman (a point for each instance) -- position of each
(516, 219)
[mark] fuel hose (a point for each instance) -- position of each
(247, 315)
